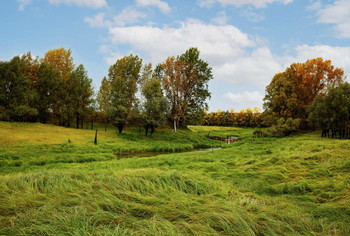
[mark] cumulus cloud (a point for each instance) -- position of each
(82, 3)
(235, 56)
(237, 59)
(217, 43)
(239, 3)
(338, 14)
(245, 99)
(340, 56)
(163, 6)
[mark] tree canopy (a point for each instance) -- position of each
(291, 93)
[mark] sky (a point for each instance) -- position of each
(246, 42)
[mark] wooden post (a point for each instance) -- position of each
(95, 142)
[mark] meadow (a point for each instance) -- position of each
(55, 181)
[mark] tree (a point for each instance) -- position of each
(81, 94)
(332, 111)
(185, 81)
(14, 92)
(46, 87)
(291, 93)
(123, 77)
(155, 104)
(61, 60)
(104, 99)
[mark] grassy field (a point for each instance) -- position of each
(297, 185)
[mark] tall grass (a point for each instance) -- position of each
(297, 185)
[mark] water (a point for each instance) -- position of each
(155, 153)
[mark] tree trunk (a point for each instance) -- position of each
(120, 128)
(95, 141)
(77, 121)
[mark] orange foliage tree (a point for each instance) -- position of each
(291, 93)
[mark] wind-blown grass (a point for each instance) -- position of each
(297, 185)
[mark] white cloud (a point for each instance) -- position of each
(236, 58)
(163, 6)
(217, 43)
(245, 99)
(82, 3)
(338, 14)
(238, 3)
(128, 16)
(340, 56)
(221, 18)
(23, 4)
(233, 55)
(254, 69)
(98, 20)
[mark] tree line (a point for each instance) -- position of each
(244, 118)
(45, 89)
(52, 89)
(313, 94)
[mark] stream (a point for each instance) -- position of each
(156, 153)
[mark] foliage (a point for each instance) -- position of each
(332, 110)
(291, 93)
(61, 60)
(123, 77)
(44, 90)
(155, 105)
(284, 127)
(14, 91)
(245, 118)
(185, 82)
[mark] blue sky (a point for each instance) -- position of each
(245, 41)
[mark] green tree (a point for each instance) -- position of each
(46, 87)
(104, 99)
(332, 110)
(185, 82)
(14, 92)
(154, 108)
(123, 77)
(80, 86)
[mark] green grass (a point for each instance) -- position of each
(297, 185)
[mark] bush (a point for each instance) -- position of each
(283, 127)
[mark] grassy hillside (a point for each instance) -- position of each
(297, 185)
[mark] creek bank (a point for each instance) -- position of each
(121, 155)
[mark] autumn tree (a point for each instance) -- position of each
(123, 77)
(185, 81)
(291, 93)
(61, 60)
